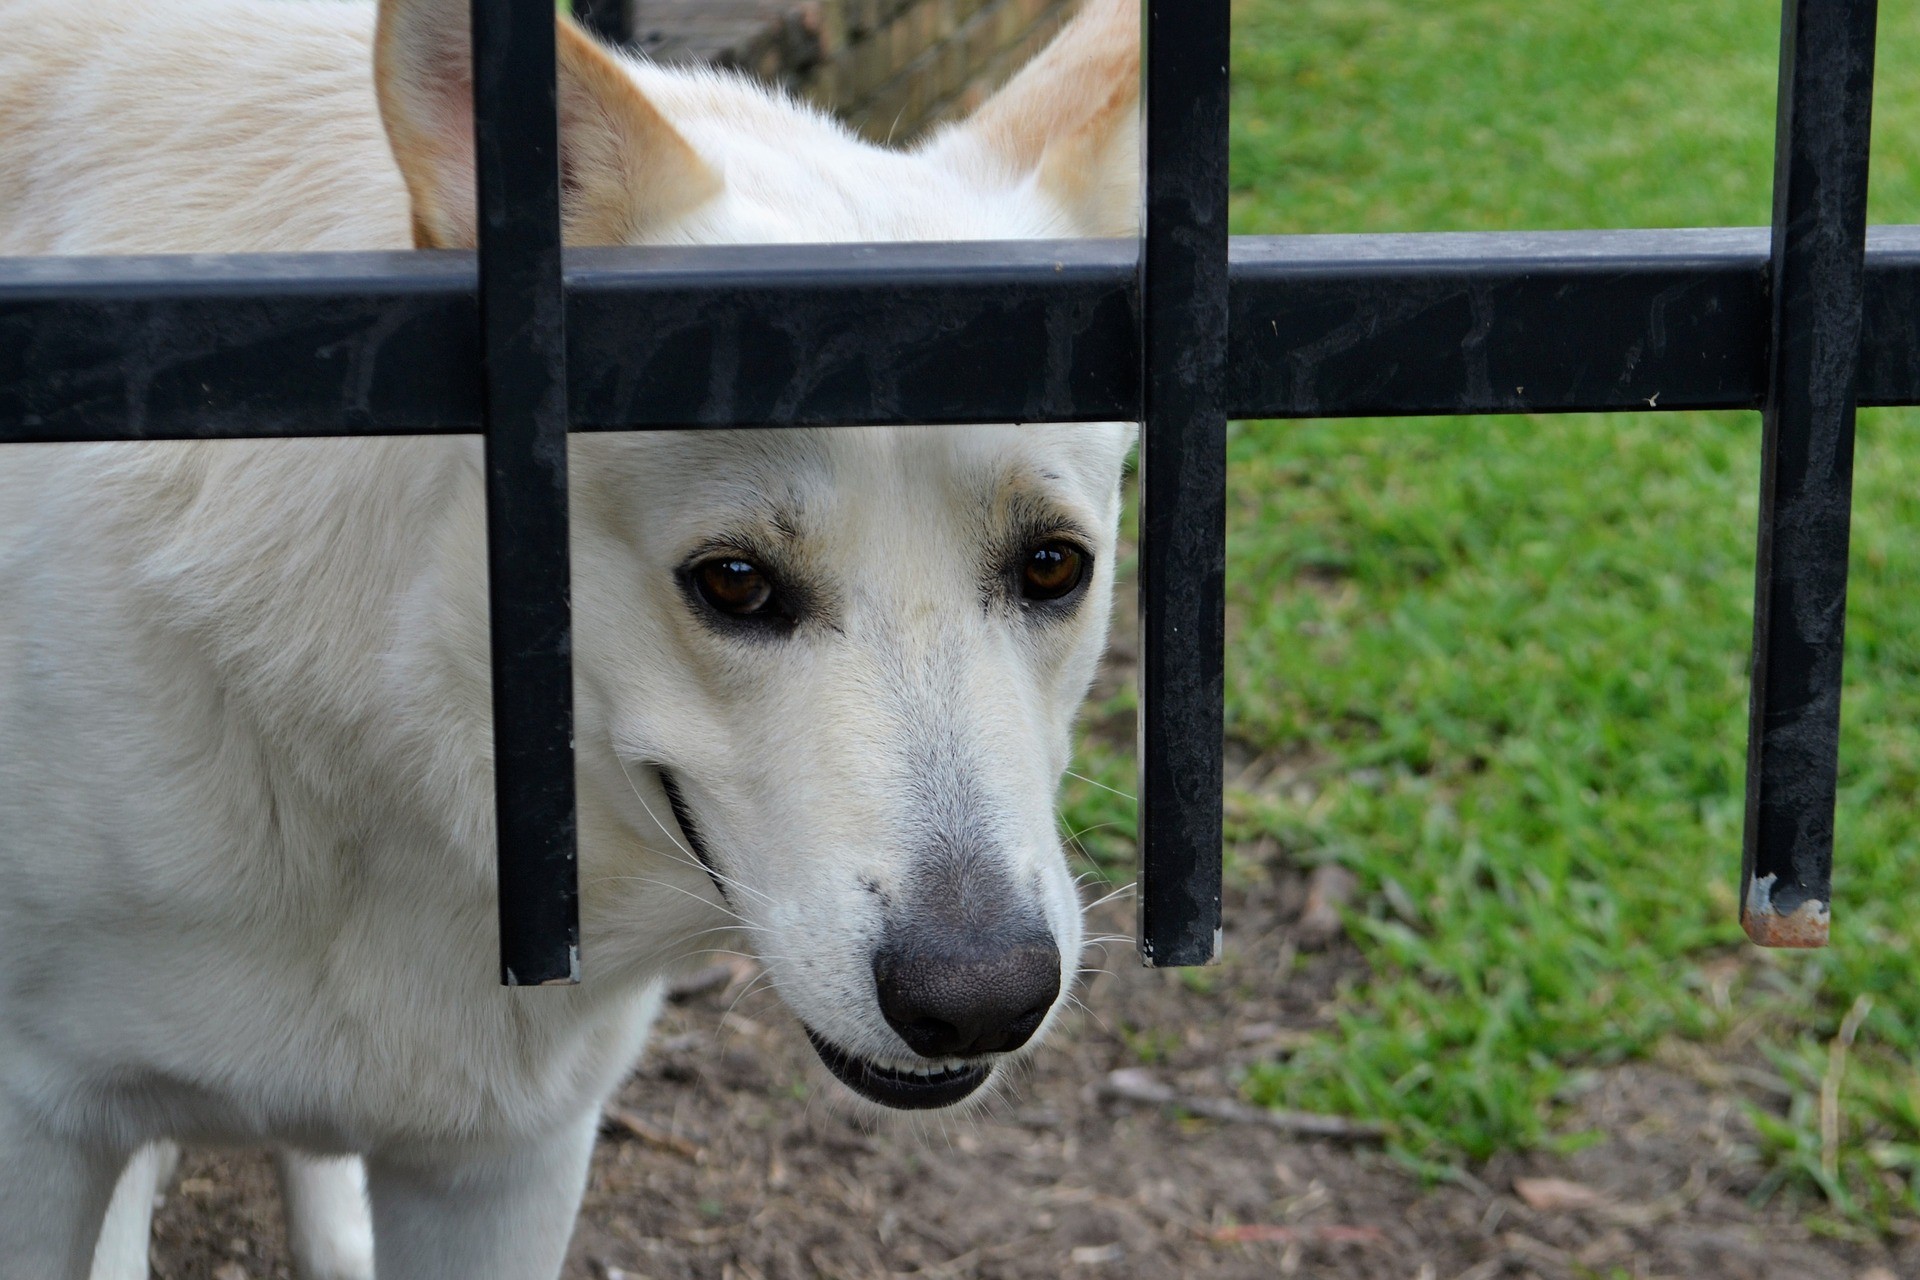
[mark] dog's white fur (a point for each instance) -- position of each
(246, 890)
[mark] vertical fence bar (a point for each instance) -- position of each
(1183, 471)
(1806, 485)
(516, 135)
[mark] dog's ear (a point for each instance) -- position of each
(1071, 117)
(623, 167)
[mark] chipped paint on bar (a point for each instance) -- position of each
(1804, 927)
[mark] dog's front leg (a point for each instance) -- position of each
(329, 1230)
(126, 1238)
(53, 1199)
(505, 1214)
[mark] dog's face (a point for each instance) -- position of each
(827, 679)
(836, 674)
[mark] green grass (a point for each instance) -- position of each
(1507, 655)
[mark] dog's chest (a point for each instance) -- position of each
(415, 1068)
(360, 1019)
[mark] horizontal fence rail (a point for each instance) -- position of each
(1321, 326)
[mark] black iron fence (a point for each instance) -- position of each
(1180, 330)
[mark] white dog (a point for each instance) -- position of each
(824, 679)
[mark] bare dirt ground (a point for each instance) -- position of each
(732, 1163)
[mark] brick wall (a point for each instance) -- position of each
(891, 68)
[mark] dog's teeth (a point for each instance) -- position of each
(923, 1070)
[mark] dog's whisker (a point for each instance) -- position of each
(631, 878)
(676, 950)
(667, 855)
(657, 882)
(697, 934)
(696, 860)
(1074, 836)
(1093, 782)
(1120, 892)
(740, 921)
(675, 854)
(762, 958)
(738, 955)
(719, 928)
(1088, 1009)
(635, 788)
(680, 853)
(760, 981)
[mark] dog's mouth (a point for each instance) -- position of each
(923, 1088)
(688, 830)
(904, 1088)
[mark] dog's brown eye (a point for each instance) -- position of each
(733, 586)
(1052, 570)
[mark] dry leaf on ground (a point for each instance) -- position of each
(1558, 1195)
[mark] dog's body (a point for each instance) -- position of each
(246, 889)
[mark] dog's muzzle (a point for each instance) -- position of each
(958, 997)
(959, 1003)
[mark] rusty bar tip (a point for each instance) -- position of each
(1804, 927)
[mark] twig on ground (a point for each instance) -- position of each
(631, 1123)
(1131, 1084)
(1557, 1195)
(963, 1264)
(1267, 1233)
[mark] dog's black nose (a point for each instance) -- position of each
(949, 998)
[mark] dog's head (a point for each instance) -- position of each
(838, 678)
(827, 679)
